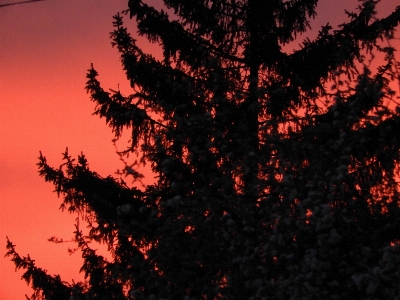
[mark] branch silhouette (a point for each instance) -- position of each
(22, 2)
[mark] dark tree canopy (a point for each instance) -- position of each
(277, 172)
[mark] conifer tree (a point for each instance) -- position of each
(277, 172)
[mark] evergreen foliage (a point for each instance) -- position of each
(277, 172)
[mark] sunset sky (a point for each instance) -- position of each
(46, 48)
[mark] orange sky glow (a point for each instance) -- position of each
(46, 48)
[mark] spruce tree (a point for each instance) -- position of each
(277, 172)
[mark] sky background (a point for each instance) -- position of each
(46, 48)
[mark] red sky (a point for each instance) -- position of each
(45, 50)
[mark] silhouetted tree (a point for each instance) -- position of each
(277, 172)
